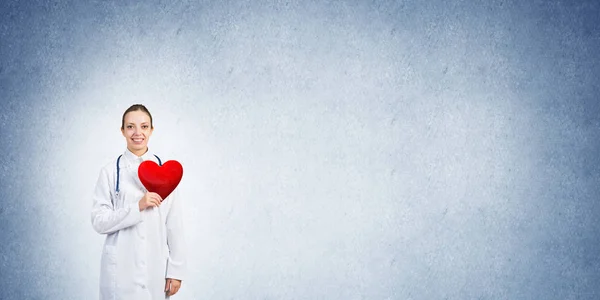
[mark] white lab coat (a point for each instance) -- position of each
(141, 249)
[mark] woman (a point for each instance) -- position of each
(143, 255)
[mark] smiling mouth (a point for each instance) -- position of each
(137, 140)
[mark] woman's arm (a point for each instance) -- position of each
(175, 239)
(105, 219)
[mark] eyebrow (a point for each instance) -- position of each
(143, 123)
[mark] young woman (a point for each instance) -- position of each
(143, 255)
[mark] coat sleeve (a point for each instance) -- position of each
(176, 263)
(105, 218)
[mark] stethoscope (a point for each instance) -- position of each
(119, 171)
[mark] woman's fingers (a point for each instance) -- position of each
(160, 199)
(152, 202)
(151, 199)
(155, 196)
(173, 291)
(172, 286)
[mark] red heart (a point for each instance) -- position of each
(160, 179)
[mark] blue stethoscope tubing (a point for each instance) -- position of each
(119, 170)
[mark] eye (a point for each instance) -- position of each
(129, 126)
(145, 126)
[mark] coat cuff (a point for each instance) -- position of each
(175, 270)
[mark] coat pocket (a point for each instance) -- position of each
(108, 272)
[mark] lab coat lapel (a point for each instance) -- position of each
(133, 162)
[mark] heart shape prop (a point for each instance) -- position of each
(160, 179)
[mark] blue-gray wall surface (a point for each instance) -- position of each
(331, 149)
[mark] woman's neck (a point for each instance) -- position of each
(139, 153)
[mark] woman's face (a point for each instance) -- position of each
(137, 130)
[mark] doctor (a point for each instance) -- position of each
(143, 255)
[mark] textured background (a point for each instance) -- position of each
(332, 150)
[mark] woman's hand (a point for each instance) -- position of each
(149, 200)
(172, 286)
